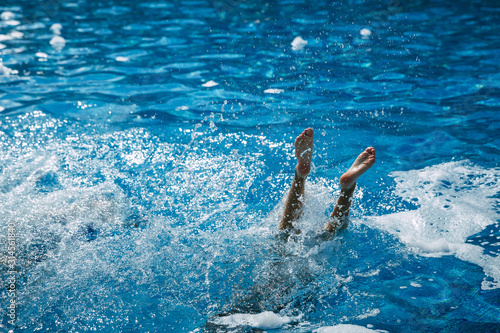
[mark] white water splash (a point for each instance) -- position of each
(345, 328)
(456, 200)
(264, 320)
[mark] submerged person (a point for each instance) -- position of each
(284, 281)
(293, 204)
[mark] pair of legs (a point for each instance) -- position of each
(293, 204)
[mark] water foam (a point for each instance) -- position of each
(345, 328)
(298, 43)
(455, 201)
(264, 320)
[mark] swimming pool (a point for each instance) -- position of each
(146, 146)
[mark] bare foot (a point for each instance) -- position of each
(364, 162)
(304, 150)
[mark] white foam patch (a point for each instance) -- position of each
(274, 91)
(298, 43)
(264, 320)
(56, 28)
(7, 15)
(16, 34)
(371, 313)
(58, 42)
(12, 22)
(455, 202)
(365, 32)
(210, 84)
(344, 328)
(11, 35)
(7, 71)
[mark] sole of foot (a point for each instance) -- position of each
(363, 162)
(303, 151)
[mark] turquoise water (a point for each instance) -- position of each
(145, 149)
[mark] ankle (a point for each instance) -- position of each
(347, 190)
(347, 182)
(300, 175)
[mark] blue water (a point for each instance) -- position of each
(145, 198)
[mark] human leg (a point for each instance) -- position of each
(338, 218)
(293, 203)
